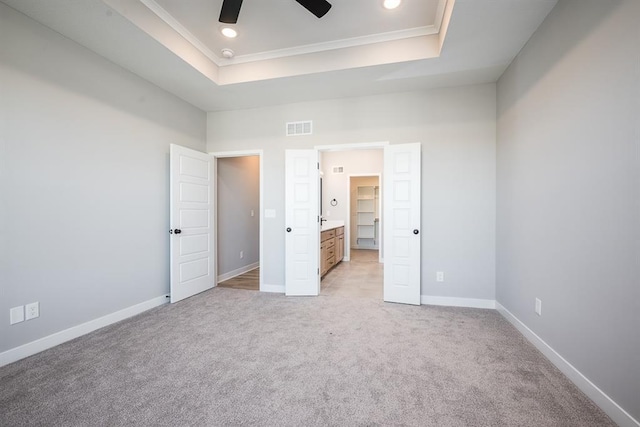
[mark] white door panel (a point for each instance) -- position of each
(191, 204)
(301, 223)
(402, 223)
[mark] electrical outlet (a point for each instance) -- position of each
(538, 307)
(241, 254)
(16, 315)
(440, 276)
(32, 310)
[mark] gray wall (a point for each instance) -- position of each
(238, 194)
(568, 208)
(84, 181)
(457, 129)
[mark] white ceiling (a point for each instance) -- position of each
(284, 54)
(284, 24)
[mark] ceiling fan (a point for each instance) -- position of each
(231, 9)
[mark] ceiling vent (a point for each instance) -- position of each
(299, 128)
(338, 169)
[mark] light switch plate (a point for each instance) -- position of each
(538, 307)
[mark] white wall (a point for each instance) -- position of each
(238, 194)
(569, 191)
(336, 185)
(457, 129)
(84, 181)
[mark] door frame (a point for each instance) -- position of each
(380, 212)
(353, 147)
(364, 146)
(242, 153)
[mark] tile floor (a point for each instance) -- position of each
(361, 277)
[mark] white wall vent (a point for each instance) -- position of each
(299, 128)
(338, 169)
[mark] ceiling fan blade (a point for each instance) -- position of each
(317, 7)
(230, 11)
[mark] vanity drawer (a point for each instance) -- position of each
(329, 243)
(331, 261)
(326, 235)
(330, 251)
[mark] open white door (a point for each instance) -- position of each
(191, 204)
(302, 232)
(402, 223)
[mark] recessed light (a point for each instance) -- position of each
(229, 32)
(391, 4)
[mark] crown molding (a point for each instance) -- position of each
(165, 16)
(182, 30)
(333, 45)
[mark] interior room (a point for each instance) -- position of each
(238, 228)
(351, 206)
(507, 137)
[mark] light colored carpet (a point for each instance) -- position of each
(234, 357)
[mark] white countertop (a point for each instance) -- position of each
(328, 225)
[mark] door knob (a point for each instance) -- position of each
(288, 229)
(177, 231)
(415, 231)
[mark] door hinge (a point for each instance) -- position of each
(318, 165)
(318, 271)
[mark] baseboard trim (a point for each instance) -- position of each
(610, 407)
(277, 289)
(238, 271)
(34, 347)
(457, 302)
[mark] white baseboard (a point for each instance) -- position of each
(457, 302)
(238, 271)
(278, 289)
(611, 408)
(57, 338)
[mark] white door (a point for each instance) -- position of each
(191, 234)
(402, 223)
(302, 231)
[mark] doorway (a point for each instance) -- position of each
(401, 240)
(238, 207)
(365, 213)
(351, 198)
